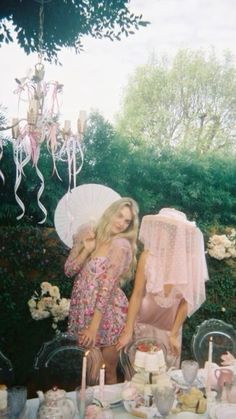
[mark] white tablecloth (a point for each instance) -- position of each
(119, 411)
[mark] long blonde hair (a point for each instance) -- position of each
(103, 229)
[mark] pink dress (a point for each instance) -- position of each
(156, 318)
(96, 286)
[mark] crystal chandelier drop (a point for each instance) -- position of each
(41, 126)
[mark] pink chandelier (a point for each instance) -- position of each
(41, 126)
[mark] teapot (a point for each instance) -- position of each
(55, 404)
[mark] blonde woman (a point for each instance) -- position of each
(100, 258)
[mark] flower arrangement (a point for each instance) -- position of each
(49, 303)
(222, 246)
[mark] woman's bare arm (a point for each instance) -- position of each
(134, 303)
(179, 320)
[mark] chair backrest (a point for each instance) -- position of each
(127, 354)
(59, 363)
(6, 370)
(223, 336)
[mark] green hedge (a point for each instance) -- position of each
(29, 255)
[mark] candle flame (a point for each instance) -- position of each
(103, 366)
(86, 353)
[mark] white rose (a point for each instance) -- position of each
(45, 287)
(32, 303)
(218, 252)
(39, 314)
(54, 292)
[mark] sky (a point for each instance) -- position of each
(96, 78)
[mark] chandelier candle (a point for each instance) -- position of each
(67, 126)
(81, 123)
(15, 128)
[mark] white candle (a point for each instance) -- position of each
(208, 380)
(101, 383)
(83, 386)
(210, 350)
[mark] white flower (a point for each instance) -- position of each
(39, 314)
(61, 310)
(54, 292)
(222, 246)
(52, 305)
(32, 303)
(45, 287)
(232, 235)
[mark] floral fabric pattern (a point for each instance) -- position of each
(96, 286)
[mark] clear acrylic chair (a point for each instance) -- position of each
(59, 363)
(223, 336)
(6, 370)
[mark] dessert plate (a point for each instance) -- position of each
(191, 415)
(177, 377)
(142, 411)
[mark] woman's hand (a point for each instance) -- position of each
(87, 337)
(124, 339)
(89, 241)
(174, 345)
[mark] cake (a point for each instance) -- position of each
(150, 358)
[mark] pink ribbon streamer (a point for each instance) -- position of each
(27, 146)
(1, 155)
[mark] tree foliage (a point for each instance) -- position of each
(66, 22)
(188, 103)
(106, 155)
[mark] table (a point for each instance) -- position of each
(119, 411)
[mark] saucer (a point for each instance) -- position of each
(225, 411)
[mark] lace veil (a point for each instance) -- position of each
(176, 256)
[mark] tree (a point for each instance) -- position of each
(106, 155)
(65, 23)
(188, 103)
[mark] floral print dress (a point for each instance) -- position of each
(96, 286)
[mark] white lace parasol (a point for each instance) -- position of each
(81, 205)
